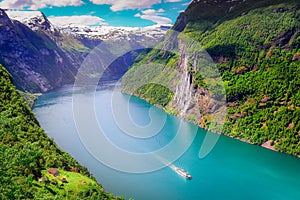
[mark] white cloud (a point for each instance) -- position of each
(117, 5)
(78, 20)
(150, 12)
(154, 15)
(157, 19)
(36, 4)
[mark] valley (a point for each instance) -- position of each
(216, 93)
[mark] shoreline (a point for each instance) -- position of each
(266, 145)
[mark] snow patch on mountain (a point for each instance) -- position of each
(23, 15)
(35, 20)
(105, 32)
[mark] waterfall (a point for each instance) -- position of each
(184, 90)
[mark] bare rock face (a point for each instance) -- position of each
(194, 102)
(33, 58)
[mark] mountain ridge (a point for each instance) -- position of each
(42, 56)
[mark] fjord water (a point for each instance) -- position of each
(232, 170)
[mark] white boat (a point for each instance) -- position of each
(183, 173)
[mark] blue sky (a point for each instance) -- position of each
(113, 12)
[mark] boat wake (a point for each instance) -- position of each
(179, 171)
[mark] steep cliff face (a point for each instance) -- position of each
(184, 91)
(254, 46)
(194, 100)
(36, 62)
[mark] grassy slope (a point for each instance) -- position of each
(26, 152)
(28, 97)
(258, 56)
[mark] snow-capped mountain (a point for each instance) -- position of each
(105, 32)
(36, 20)
(42, 55)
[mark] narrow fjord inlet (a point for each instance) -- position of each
(233, 169)
(143, 100)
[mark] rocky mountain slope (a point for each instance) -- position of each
(254, 96)
(42, 56)
(24, 51)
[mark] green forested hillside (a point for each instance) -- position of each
(256, 48)
(258, 56)
(26, 154)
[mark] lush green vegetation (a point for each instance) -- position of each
(256, 48)
(155, 94)
(260, 67)
(148, 82)
(28, 97)
(26, 154)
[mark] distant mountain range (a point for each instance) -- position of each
(42, 56)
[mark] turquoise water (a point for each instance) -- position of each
(232, 170)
